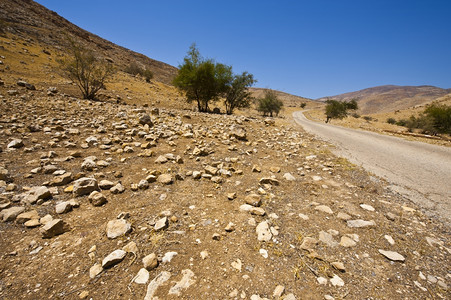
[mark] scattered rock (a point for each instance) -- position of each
(85, 186)
(150, 261)
(142, 277)
(97, 199)
(263, 232)
(53, 228)
(11, 213)
(186, 281)
(360, 223)
(161, 224)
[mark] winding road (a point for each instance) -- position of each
(419, 171)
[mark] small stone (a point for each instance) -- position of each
(339, 266)
(324, 208)
(216, 236)
(145, 119)
(389, 239)
(83, 295)
(237, 264)
(63, 207)
(46, 219)
(168, 256)
(278, 291)
(85, 186)
(32, 223)
(27, 216)
(321, 280)
(253, 199)
(337, 281)
(155, 283)
(150, 261)
(142, 277)
(231, 196)
(360, 223)
(258, 211)
(263, 232)
(106, 184)
(95, 270)
(161, 224)
(118, 227)
(204, 254)
(392, 255)
(62, 179)
(303, 217)
(117, 189)
(263, 253)
(327, 239)
(11, 213)
(52, 228)
(289, 177)
(165, 179)
(131, 247)
(343, 216)
(97, 199)
(367, 207)
(230, 227)
(346, 241)
(271, 181)
(113, 258)
(309, 243)
(15, 144)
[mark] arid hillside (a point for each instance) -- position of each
(390, 98)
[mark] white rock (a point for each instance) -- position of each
(142, 277)
(392, 255)
(168, 256)
(289, 177)
(113, 258)
(155, 283)
(263, 253)
(321, 280)
(367, 207)
(118, 227)
(360, 223)
(263, 232)
(389, 239)
(337, 281)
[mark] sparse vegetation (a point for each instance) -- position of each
(339, 109)
(269, 104)
(303, 105)
(88, 71)
(391, 121)
(435, 119)
(135, 69)
(368, 118)
(238, 95)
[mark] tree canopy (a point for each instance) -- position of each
(204, 80)
(339, 109)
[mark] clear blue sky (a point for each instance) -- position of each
(310, 48)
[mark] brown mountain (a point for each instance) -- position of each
(388, 98)
(31, 21)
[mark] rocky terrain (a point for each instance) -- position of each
(113, 201)
(137, 197)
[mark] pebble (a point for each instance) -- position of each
(263, 232)
(150, 261)
(95, 270)
(161, 224)
(142, 277)
(360, 223)
(337, 281)
(184, 283)
(52, 228)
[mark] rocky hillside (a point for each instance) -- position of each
(389, 98)
(35, 23)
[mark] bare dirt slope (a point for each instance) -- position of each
(418, 170)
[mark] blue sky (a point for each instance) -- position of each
(310, 48)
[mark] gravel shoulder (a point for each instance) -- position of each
(419, 171)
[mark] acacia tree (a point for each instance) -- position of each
(238, 95)
(88, 71)
(201, 79)
(269, 104)
(339, 109)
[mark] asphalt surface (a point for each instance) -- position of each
(421, 172)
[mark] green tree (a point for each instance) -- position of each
(238, 95)
(201, 79)
(339, 109)
(88, 71)
(440, 116)
(269, 104)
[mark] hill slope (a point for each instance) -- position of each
(32, 21)
(388, 98)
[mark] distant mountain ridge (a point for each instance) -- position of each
(30, 20)
(388, 98)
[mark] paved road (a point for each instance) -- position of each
(419, 171)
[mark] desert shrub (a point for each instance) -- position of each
(391, 121)
(269, 104)
(85, 69)
(355, 115)
(135, 69)
(303, 105)
(367, 118)
(440, 117)
(237, 94)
